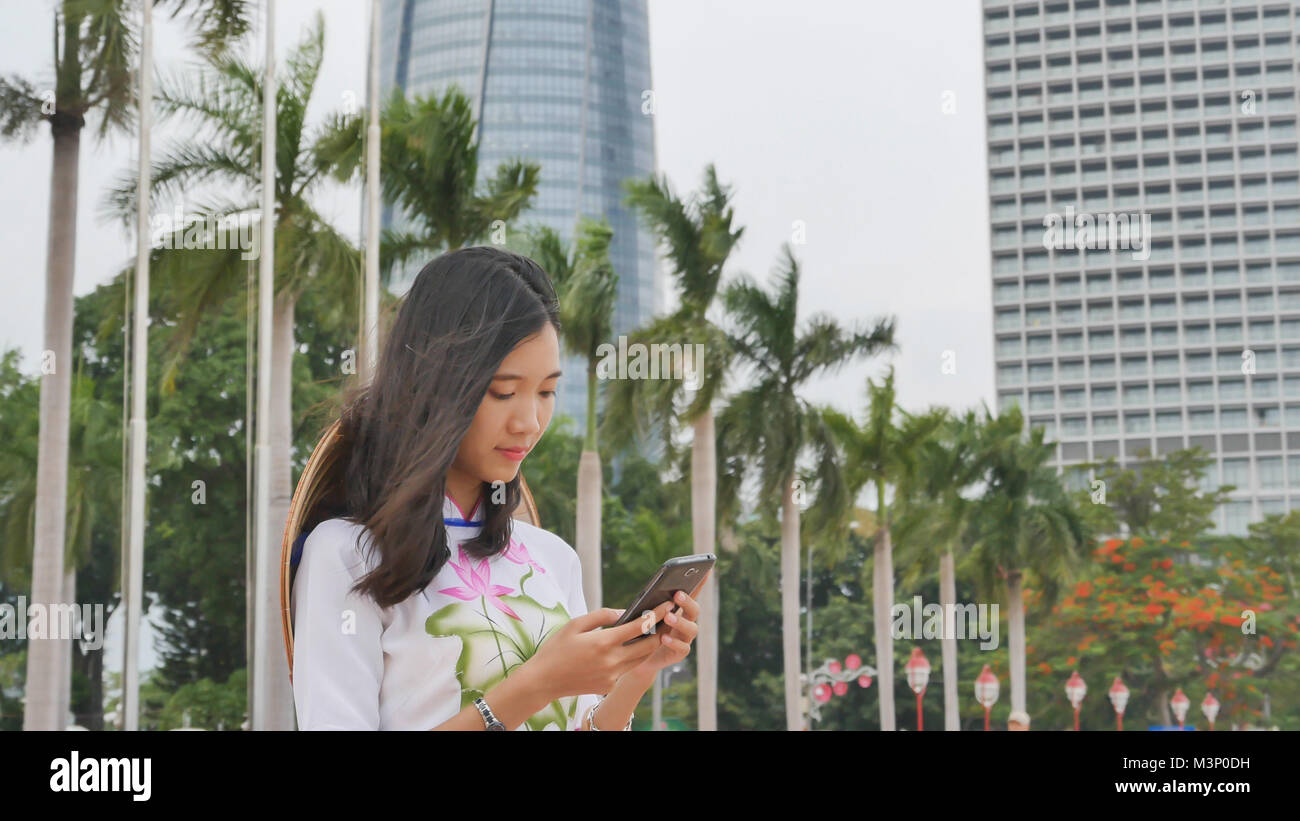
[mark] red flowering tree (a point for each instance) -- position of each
(1164, 616)
(1174, 607)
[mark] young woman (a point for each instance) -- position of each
(425, 606)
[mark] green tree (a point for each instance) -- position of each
(222, 104)
(1157, 498)
(1208, 616)
(750, 661)
(94, 500)
(553, 469)
(882, 453)
(935, 522)
(428, 168)
(771, 425)
(586, 284)
(698, 236)
(1025, 521)
(207, 705)
(95, 55)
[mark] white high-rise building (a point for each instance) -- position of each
(1179, 115)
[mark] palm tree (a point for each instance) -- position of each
(429, 170)
(95, 44)
(586, 284)
(94, 481)
(882, 452)
(1024, 521)
(698, 237)
(771, 424)
(94, 486)
(934, 525)
(223, 106)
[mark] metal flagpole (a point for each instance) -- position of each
(133, 557)
(261, 661)
(371, 327)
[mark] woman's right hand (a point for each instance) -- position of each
(581, 657)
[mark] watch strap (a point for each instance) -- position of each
(490, 720)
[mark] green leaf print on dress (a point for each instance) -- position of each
(498, 632)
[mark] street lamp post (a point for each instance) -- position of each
(1075, 690)
(1210, 706)
(986, 692)
(1119, 699)
(1180, 703)
(918, 675)
(833, 678)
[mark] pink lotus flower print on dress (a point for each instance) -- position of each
(518, 553)
(478, 578)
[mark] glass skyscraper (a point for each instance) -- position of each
(558, 82)
(1183, 113)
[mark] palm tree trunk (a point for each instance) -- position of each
(1016, 632)
(66, 658)
(589, 501)
(882, 593)
(92, 666)
(589, 515)
(948, 600)
(280, 713)
(727, 538)
(43, 709)
(704, 496)
(794, 719)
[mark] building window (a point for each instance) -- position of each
(1267, 416)
(1136, 395)
(1232, 418)
(1236, 472)
(1236, 518)
(1232, 389)
(1168, 392)
(1200, 419)
(1137, 423)
(1169, 421)
(1227, 332)
(1134, 366)
(1264, 388)
(1271, 476)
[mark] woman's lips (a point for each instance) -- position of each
(517, 454)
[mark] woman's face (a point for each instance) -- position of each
(514, 412)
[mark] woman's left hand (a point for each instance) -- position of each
(679, 629)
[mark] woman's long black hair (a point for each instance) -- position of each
(465, 312)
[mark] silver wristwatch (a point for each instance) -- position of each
(488, 718)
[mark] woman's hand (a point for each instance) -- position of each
(674, 642)
(581, 657)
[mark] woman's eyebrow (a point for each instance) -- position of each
(502, 377)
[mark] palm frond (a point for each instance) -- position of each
(110, 42)
(216, 23)
(20, 108)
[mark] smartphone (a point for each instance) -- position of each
(680, 573)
